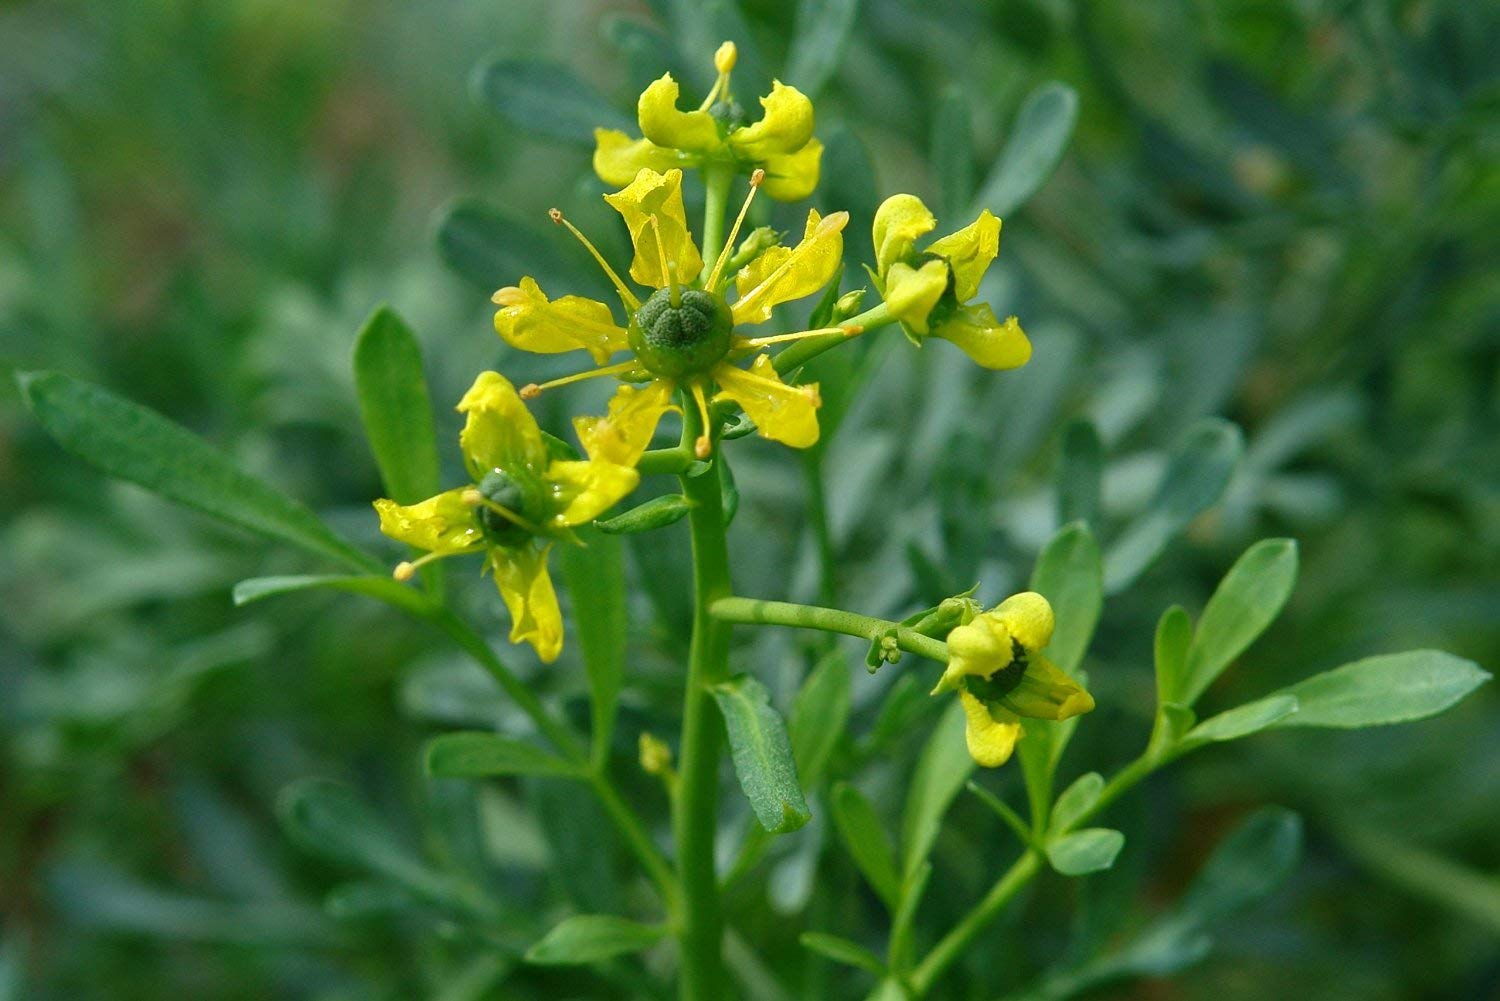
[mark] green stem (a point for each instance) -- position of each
(638, 840)
(801, 352)
(695, 810)
(753, 611)
(717, 180)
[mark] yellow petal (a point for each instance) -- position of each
(793, 176)
(1045, 692)
(626, 430)
(525, 587)
(441, 524)
(969, 252)
(618, 158)
(788, 414)
(989, 342)
(499, 432)
(781, 275)
(899, 221)
(911, 293)
(991, 741)
(664, 125)
(527, 320)
(1028, 618)
(977, 649)
(785, 127)
(582, 491)
(652, 208)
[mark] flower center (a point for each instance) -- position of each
(1003, 681)
(686, 338)
(500, 488)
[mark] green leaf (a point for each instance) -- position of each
(658, 512)
(1246, 601)
(941, 772)
(490, 249)
(395, 407)
(1242, 721)
(1174, 635)
(1196, 476)
(1037, 140)
(1391, 688)
(1068, 575)
(134, 443)
(953, 152)
(819, 713)
(1092, 849)
(383, 587)
(1245, 867)
(903, 922)
(590, 938)
(1076, 800)
(841, 950)
(547, 99)
(479, 755)
(595, 573)
(762, 754)
(1079, 472)
(818, 42)
(866, 841)
(729, 492)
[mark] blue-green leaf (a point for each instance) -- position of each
(1092, 849)
(490, 249)
(382, 587)
(1174, 635)
(595, 574)
(1242, 721)
(762, 754)
(395, 407)
(1247, 600)
(590, 938)
(478, 755)
(1068, 575)
(941, 772)
(841, 950)
(1037, 141)
(818, 42)
(658, 512)
(867, 842)
(1076, 800)
(1079, 472)
(819, 713)
(547, 99)
(1392, 688)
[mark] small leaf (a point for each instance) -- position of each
(953, 152)
(595, 573)
(1079, 472)
(490, 249)
(1037, 141)
(1174, 635)
(866, 842)
(1196, 476)
(819, 713)
(395, 407)
(590, 938)
(762, 754)
(1246, 601)
(484, 755)
(1068, 575)
(1242, 721)
(841, 950)
(1245, 867)
(822, 30)
(546, 99)
(729, 493)
(383, 587)
(1090, 850)
(1392, 688)
(941, 772)
(1077, 800)
(134, 443)
(658, 512)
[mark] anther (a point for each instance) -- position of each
(530, 391)
(724, 58)
(472, 497)
(703, 446)
(404, 571)
(756, 178)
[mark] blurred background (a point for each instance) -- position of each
(1284, 213)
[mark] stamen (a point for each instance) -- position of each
(848, 330)
(704, 445)
(407, 569)
(532, 390)
(667, 268)
(474, 498)
(631, 302)
(713, 276)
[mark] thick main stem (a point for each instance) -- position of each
(695, 810)
(832, 620)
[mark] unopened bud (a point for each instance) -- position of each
(848, 304)
(656, 756)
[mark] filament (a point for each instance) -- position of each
(532, 390)
(713, 276)
(631, 302)
(704, 444)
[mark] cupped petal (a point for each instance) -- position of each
(665, 125)
(618, 158)
(1029, 619)
(440, 524)
(785, 127)
(969, 252)
(583, 490)
(991, 343)
(793, 176)
(626, 429)
(899, 221)
(990, 732)
(525, 587)
(527, 320)
(977, 649)
(911, 293)
(1045, 692)
(788, 414)
(781, 274)
(499, 432)
(652, 208)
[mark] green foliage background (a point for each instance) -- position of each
(1283, 213)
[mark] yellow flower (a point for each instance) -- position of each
(521, 496)
(683, 334)
(929, 290)
(781, 142)
(996, 666)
